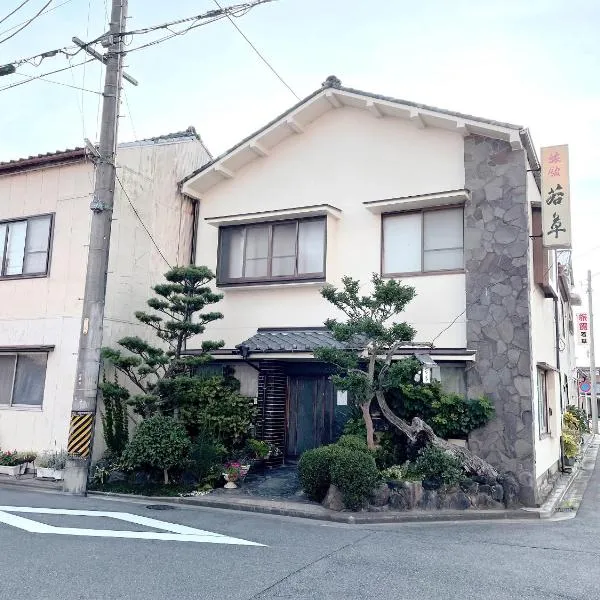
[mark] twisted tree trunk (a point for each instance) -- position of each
(472, 464)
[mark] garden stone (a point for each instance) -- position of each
(429, 501)
(485, 501)
(141, 478)
(116, 476)
(432, 483)
(510, 489)
(459, 501)
(333, 499)
(498, 492)
(469, 486)
(485, 489)
(381, 495)
(400, 499)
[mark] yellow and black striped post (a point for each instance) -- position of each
(80, 435)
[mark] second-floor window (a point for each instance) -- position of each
(25, 246)
(423, 241)
(278, 251)
(22, 378)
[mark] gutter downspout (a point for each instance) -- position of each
(560, 386)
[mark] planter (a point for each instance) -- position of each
(12, 471)
(46, 473)
(569, 462)
(230, 479)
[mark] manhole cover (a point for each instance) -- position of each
(160, 507)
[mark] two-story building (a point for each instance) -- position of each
(353, 183)
(44, 234)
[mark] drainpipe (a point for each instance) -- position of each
(244, 353)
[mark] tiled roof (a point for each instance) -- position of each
(79, 152)
(294, 340)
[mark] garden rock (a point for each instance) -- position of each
(498, 493)
(116, 476)
(510, 489)
(469, 486)
(141, 478)
(458, 501)
(333, 499)
(400, 499)
(380, 495)
(432, 483)
(430, 500)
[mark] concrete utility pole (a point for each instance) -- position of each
(90, 341)
(592, 357)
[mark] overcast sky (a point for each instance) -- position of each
(529, 62)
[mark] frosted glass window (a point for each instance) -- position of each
(402, 243)
(25, 246)
(311, 247)
(22, 378)
(272, 251)
(7, 374)
(430, 240)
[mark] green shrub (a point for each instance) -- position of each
(355, 426)
(581, 416)
(205, 459)
(434, 463)
(258, 448)
(570, 444)
(355, 474)
(454, 415)
(158, 443)
(313, 472)
(353, 442)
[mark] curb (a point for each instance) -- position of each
(565, 483)
(33, 485)
(318, 513)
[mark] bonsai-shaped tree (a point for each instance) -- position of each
(178, 315)
(366, 367)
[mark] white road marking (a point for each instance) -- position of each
(176, 532)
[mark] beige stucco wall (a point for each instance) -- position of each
(47, 311)
(344, 158)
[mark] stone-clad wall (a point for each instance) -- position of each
(498, 311)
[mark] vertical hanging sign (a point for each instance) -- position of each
(556, 197)
(582, 328)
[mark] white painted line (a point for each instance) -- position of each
(175, 532)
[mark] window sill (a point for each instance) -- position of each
(270, 285)
(545, 436)
(22, 407)
(27, 276)
(422, 274)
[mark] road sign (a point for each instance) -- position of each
(585, 387)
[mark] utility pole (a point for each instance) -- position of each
(83, 410)
(592, 357)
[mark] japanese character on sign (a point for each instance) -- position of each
(555, 196)
(554, 171)
(583, 326)
(556, 226)
(554, 158)
(583, 317)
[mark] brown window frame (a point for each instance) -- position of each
(222, 280)
(422, 212)
(40, 274)
(11, 403)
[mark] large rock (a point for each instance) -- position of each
(380, 495)
(333, 500)
(407, 495)
(498, 493)
(458, 501)
(510, 488)
(117, 476)
(430, 500)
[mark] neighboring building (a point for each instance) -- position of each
(350, 183)
(44, 232)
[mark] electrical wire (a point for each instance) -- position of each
(135, 212)
(41, 15)
(269, 65)
(7, 87)
(29, 77)
(27, 23)
(10, 14)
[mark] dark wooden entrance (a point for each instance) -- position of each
(310, 413)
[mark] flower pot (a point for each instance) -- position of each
(12, 471)
(47, 473)
(230, 479)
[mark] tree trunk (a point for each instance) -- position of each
(166, 476)
(366, 412)
(472, 464)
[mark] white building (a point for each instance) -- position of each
(44, 232)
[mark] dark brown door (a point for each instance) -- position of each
(310, 413)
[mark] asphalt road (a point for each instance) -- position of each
(298, 559)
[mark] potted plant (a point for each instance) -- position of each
(28, 459)
(51, 465)
(234, 471)
(11, 463)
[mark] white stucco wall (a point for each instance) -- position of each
(344, 158)
(47, 311)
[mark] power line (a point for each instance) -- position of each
(76, 87)
(7, 87)
(269, 65)
(27, 23)
(10, 14)
(41, 15)
(135, 212)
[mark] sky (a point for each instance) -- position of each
(528, 62)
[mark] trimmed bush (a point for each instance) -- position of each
(435, 464)
(313, 471)
(353, 442)
(158, 443)
(355, 474)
